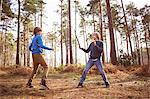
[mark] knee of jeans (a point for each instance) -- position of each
(85, 71)
(102, 72)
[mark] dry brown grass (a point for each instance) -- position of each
(19, 89)
(20, 71)
(109, 69)
(7, 72)
(112, 69)
(79, 69)
(123, 84)
(72, 69)
(141, 71)
(12, 71)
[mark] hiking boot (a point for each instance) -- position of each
(80, 85)
(43, 85)
(29, 85)
(107, 84)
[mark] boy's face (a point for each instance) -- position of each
(40, 32)
(94, 36)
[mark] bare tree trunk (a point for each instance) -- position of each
(5, 44)
(66, 44)
(101, 27)
(2, 44)
(127, 29)
(38, 21)
(134, 33)
(1, 9)
(94, 26)
(35, 19)
(55, 55)
(28, 55)
(61, 36)
(41, 14)
(135, 42)
(141, 51)
(18, 34)
(147, 50)
(75, 32)
(106, 50)
(84, 44)
(142, 56)
(28, 51)
(138, 51)
(112, 41)
(76, 54)
(67, 59)
(117, 50)
(70, 43)
(21, 53)
(105, 40)
(24, 51)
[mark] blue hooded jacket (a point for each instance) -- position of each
(37, 46)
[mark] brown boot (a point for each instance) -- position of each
(29, 84)
(107, 84)
(80, 85)
(43, 85)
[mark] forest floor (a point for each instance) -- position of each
(124, 85)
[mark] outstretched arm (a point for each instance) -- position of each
(40, 43)
(86, 50)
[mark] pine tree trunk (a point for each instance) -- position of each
(55, 55)
(24, 45)
(35, 19)
(101, 27)
(76, 54)
(138, 51)
(41, 19)
(117, 50)
(67, 58)
(84, 42)
(105, 41)
(61, 37)
(28, 51)
(127, 29)
(94, 26)
(66, 45)
(70, 43)
(141, 50)
(5, 45)
(147, 49)
(112, 41)
(18, 34)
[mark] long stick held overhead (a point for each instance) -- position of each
(77, 39)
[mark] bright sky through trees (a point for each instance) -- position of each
(52, 6)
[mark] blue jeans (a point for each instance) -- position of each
(100, 69)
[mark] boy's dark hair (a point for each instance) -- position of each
(37, 29)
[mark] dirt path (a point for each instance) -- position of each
(63, 86)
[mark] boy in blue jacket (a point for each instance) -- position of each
(36, 47)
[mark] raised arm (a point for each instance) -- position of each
(100, 46)
(40, 43)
